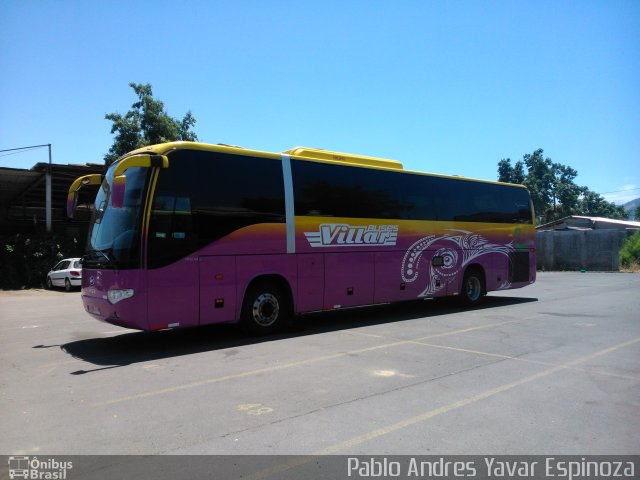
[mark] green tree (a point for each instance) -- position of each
(593, 204)
(553, 189)
(147, 123)
(510, 174)
(630, 251)
(636, 214)
(565, 193)
(540, 182)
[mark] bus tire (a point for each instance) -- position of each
(265, 309)
(473, 287)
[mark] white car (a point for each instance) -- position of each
(66, 273)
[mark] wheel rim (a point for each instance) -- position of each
(49, 284)
(473, 288)
(265, 309)
(67, 284)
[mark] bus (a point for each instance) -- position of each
(186, 234)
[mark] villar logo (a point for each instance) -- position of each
(345, 235)
(32, 468)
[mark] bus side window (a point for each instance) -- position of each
(162, 216)
(422, 206)
(170, 230)
(181, 228)
(171, 217)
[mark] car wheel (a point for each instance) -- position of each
(264, 310)
(473, 289)
(67, 285)
(49, 283)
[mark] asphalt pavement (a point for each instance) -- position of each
(553, 368)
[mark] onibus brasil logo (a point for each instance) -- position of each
(34, 468)
(345, 235)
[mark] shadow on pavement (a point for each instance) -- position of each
(137, 347)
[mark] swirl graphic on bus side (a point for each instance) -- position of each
(411, 259)
(454, 252)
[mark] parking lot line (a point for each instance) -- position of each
(521, 359)
(280, 468)
(359, 439)
(471, 329)
(453, 332)
(364, 334)
(274, 368)
(249, 373)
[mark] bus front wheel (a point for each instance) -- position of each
(473, 289)
(264, 310)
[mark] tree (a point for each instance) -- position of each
(553, 189)
(539, 181)
(636, 214)
(147, 123)
(630, 251)
(593, 204)
(565, 193)
(509, 174)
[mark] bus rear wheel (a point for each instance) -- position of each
(264, 310)
(473, 289)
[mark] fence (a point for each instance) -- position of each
(579, 249)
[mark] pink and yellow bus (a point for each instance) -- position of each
(187, 234)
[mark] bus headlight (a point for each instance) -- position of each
(114, 296)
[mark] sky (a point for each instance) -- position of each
(445, 87)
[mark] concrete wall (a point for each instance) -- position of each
(575, 250)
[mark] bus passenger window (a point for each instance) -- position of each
(161, 216)
(170, 229)
(181, 227)
(171, 217)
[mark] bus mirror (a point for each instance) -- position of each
(117, 191)
(145, 161)
(72, 197)
(119, 179)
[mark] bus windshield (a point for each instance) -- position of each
(114, 236)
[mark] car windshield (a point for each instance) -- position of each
(114, 236)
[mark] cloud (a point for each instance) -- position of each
(623, 194)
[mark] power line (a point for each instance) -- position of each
(625, 190)
(16, 153)
(25, 148)
(47, 177)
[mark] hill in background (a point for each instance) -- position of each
(630, 207)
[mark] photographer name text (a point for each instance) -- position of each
(489, 467)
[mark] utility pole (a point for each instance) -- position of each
(48, 193)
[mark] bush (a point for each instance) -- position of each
(25, 259)
(630, 251)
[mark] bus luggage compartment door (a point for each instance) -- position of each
(349, 279)
(217, 289)
(310, 282)
(173, 295)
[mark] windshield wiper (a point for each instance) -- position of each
(95, 254)
(104, 254)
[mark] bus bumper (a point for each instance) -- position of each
(115, 297)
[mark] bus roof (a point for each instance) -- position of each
(319, 154)
(298, 152)
(302, 153)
